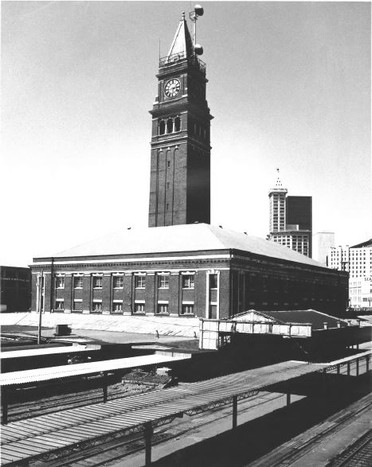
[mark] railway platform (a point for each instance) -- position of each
(36, 437)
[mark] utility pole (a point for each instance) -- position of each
(40, 280)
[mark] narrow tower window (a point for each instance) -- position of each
(169, 125)
(177, 124)
(162, 127)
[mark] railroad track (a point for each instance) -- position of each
(28, 409)
(113, 451)
(358, 454)
(291, 452)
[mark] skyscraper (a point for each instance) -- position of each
(180, 143)
(277, 196)
(290, 219)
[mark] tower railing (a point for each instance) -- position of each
(180, 58)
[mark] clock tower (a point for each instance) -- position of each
(180, 143)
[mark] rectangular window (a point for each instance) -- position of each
(187, 309)
(60, 282)
(212, 311)
(139, 308)
(139, 282)
(117, 307)
(96, 307)
(188, 281)
(78, 282)
(213, 281)
(60, 305)
(163, 281)
(97, 282)
(162, 308)
(118, 282)
(78, 305)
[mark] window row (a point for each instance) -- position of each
(170, 125)
(188, 281)
(117, 307)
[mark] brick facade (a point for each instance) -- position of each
(180, 143)
(201, 286)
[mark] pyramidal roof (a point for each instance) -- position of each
(182, 43)
(278, 185)
(182, 238)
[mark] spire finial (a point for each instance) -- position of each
(278, 181)
(183, 15)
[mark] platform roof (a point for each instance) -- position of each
(130, 413)
(313, 317)
(36, 352)
(15, 378)
(181, 239)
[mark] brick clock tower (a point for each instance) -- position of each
(180, 143)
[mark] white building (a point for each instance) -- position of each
(360, 292)
(361, 260)
(339, 257)
(322, 242)
(357, 260)
(277, 196)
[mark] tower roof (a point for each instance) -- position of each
(278, 186)
(182, 45)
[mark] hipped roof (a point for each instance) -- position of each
(182, 239)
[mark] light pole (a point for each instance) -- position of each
(194, 15)
(39, 288)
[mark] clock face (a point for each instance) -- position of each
(172, 87)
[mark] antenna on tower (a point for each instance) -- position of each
(194, 15)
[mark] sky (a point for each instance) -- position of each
(289, 88)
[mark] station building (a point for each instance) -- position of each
(181, 265)
(184, 270)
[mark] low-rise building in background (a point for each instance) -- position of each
(15, 288)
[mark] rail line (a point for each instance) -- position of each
(359, 453)
(52, 435)
(303, 444)
(104, 454)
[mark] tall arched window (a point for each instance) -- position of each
(177, 124)
(162, 127)
(169, 125)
